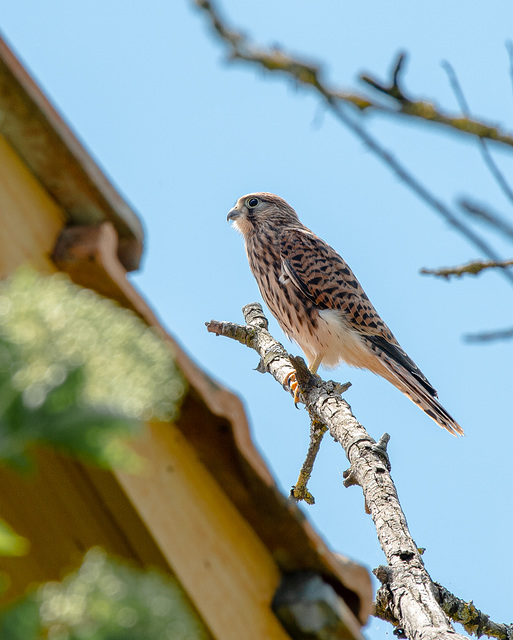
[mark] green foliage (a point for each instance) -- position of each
(77, 372)
(105, 600)
(11, 544)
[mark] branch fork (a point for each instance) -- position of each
(408, 598)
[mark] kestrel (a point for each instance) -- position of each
(320, 304)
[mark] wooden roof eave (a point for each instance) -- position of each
(59, 161)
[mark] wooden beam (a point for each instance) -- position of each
(223, 565)
(30, 220)
(63, 508)
(55, 156)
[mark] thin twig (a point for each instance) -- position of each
(472, 268)
(408, 106)
(485, 152)
(300, 490)
(473, 621)
(456, 86)
(304, 379)
(393, 90)
(484, 214)
(416, 186)
(509, 49)
(495, 171)
(489, 336)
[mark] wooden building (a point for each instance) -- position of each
(209, 511)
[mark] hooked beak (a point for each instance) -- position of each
(233, 214)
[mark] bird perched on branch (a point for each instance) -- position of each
(320, 304)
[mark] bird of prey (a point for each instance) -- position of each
(320, 304)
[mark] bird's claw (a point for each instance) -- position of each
(292, 383)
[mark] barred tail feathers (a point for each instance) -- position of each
(413, 388)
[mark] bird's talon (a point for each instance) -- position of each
(292, 383)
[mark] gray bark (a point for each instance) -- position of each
(408, 593)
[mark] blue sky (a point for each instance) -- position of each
(182, 135)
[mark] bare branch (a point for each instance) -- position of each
(485, 215)
(456, 87)
(495, 171)
(413, 596)
(489, 336)
(300, 491)
(317, 430)
(392, 89)
(408, 106)
(473, 620)
(473, 268)
(417, 187)
(310, 75)
(485, 152)
(509, 49)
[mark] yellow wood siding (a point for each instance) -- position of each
(30, 221)
(228, 573)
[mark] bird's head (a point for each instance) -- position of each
(256, 210)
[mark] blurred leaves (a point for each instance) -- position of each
(80, 374)
(77, 372)
(59, 418)
(11, 544)
(105, 600)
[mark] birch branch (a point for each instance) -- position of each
(413, 601)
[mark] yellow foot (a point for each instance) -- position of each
(292, 383)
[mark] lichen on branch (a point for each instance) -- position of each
(412, 602)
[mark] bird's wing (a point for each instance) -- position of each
(325, 279)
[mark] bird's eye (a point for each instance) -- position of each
(252, 202)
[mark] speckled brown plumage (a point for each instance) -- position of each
(320, 304)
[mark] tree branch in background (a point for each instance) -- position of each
(485, 152)
(484, 214)
(307, 73)
(489, 336)
(509, 49)
(310, 75)
(473, 620)
(412, 182)
(408, 106)
(473, 268)
(411, 596)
